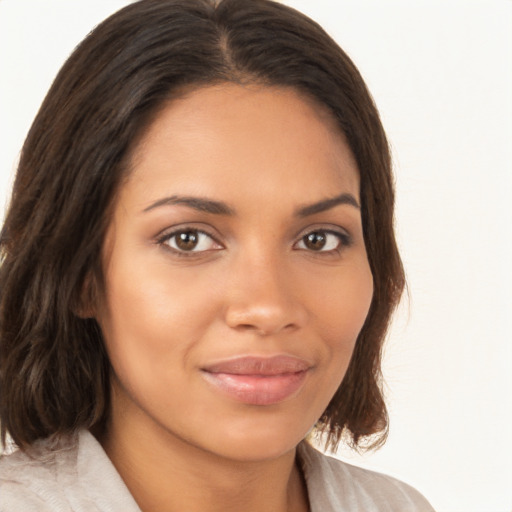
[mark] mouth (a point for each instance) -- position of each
(258, 380)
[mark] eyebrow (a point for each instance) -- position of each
(197, 203)
(220, 208)
(327, 204)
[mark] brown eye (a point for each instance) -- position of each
(190, 240)
(324, 241)
(187, 240)
(315, 241)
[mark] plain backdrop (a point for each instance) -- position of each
(441, 75)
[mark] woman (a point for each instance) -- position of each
(198, 271)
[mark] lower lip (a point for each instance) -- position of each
(257, 389)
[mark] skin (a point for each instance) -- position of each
(252, 286)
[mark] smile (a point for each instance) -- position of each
(258, 381)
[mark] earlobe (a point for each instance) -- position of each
(84, 313)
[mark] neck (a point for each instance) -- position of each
(168, 474)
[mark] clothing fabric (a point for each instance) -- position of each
(76, 475)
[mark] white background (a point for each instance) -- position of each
(441, 74)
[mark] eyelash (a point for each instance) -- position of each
(344, 241)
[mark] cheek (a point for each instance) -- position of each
(339, 309)
(149, 333)
(342, 305)
(151, 320)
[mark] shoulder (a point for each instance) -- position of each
(71, 474)
(335, 485)
(32, 481)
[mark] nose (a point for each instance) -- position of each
(263, 297)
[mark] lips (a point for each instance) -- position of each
(258, 380)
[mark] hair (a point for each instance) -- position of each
(54, 371)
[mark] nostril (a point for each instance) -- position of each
(262, 321)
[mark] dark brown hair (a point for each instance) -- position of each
(54, 372)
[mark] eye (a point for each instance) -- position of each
(190, 240)
(323, 241)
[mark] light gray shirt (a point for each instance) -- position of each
(75, 475)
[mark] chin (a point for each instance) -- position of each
(257, 439)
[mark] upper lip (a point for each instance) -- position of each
(255, 365)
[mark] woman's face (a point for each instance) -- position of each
(236, 274)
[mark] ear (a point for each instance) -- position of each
(84, 304)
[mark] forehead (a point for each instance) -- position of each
(245, 140)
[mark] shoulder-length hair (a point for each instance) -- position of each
(54, 371)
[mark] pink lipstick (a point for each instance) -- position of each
(258, 380)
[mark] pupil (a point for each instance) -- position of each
(315, 241)
(186, 240)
